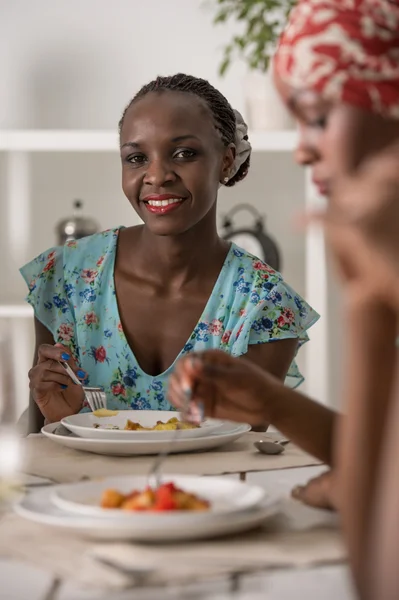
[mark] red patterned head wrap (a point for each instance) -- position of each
(346, 50)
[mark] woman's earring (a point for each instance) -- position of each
(225, 180)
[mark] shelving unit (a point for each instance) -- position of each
(18, 145)
(16, 311)
(107, 141)
(58, 141)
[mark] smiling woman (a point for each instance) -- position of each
(121, 306)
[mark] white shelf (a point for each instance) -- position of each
(107, 141)
(53, 140)
(13, 311)
(273, 141)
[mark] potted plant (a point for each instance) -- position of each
(262, 22)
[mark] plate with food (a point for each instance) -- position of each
(136, 424)
(122, 497)
(156, 526)
(227, 433)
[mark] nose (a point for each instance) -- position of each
(306, 152)
(159, 172)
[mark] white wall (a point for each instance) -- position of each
(76, 63)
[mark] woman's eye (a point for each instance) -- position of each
(184, 154)
(136, 159)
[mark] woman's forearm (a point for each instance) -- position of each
(369, 381)
(308, 424)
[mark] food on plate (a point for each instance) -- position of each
(104, 412)
(164, 498)
(170, 425)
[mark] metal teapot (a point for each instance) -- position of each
(76, 226)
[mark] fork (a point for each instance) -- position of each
(186, 415)
(155, 471)
(95, 396)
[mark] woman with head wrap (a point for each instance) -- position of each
(337, 68)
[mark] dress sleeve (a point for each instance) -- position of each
(279, 314)
(50, 296)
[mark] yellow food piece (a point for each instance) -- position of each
(104, 412)
(170, 425)
(139, 501)
(186, 501)
(112, 499)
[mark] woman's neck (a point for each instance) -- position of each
(173, 261)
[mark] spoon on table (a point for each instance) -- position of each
(268, 447)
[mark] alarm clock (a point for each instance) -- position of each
(253, 239)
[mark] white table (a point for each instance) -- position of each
(21, 582)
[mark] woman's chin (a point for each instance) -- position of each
(163, 227)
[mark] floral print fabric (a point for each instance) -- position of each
(346, 50)
(72, 291)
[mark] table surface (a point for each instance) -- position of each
(20, 581)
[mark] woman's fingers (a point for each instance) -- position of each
(48, 376)
(318, 492)
(176, 394)
(187, 371)
(43, 389)
(222, 383)
(64, 353)
(58, 353)
(196, 375)
(177, 391)
(50, 370)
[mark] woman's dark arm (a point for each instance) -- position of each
(273, 357)
(42, 336)
(308, 424)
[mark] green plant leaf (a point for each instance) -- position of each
(263, 22)
(224, 65)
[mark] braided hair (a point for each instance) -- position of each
(222, 112)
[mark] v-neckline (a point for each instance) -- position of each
(121, 330)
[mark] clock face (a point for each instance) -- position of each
(248, 242)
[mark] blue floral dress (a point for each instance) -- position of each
(72, 291)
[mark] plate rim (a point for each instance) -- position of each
(96, 528)
(51, 435)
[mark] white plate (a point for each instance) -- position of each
(225, 496)
(227, 433)
(37, 506)
(83, 425)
